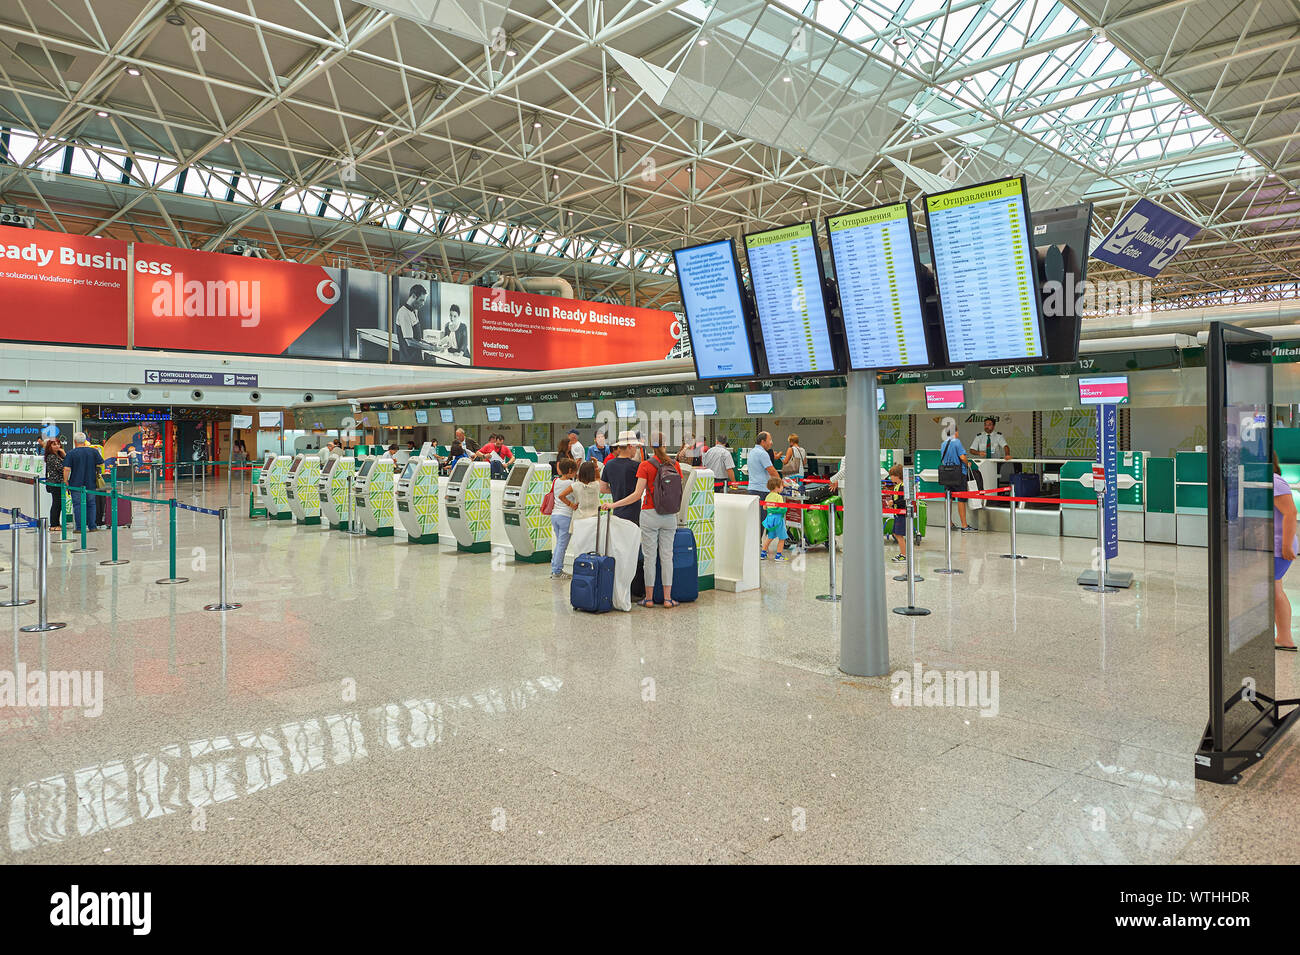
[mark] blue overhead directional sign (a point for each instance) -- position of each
(1145, 238)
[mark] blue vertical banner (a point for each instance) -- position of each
(1108, 458)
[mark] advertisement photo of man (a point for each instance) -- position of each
(408, 325)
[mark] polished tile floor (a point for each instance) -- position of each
(374, 701)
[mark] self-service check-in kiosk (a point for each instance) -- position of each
(698, 512)
(527, 527)
(332, 488)
(417, 500)
(272, 487)
(373, 496)
(469, 506)
(304, 498)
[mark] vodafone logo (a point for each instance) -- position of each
(328, 291)
(675, 329)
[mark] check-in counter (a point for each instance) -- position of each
(528, 529)
(373, 496)
(272, 487)
(1191, 497)
(1080, 520)
(469, 506)
(417, 500)
(1161, 519)
(301, 488)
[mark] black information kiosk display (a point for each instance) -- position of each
(986, 272)
(875, 258)
(1245, 715)
(714, 302)
(786, 272)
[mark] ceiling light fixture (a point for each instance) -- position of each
(175, 19)
(785, 79)
(439, 92)
(102, 114)
(132, 71)
(226, 139)
(537, 123)
(703, 42)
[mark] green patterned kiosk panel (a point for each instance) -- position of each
(305, 495)
(379, 499)
(699, 518)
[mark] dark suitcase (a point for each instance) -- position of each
(123, 512)
(592, 586)
(816, 493)
(1025, 485)
(686, 573)
(638, 578)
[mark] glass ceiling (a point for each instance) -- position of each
(1035, 66)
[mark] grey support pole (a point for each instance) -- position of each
(832, 595)
(864, 624)
(1015, 554)
(222, 603)
(911, 610)
(947, 533)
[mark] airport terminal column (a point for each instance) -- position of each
(864, 634)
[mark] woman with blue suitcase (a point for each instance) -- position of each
(659, 487)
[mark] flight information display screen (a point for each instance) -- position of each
(785, 268)
(709, 279)
(585, 410)
(986, 274)
(383, 417)
(874, 253)
(525, 412)
(421, 416)
(493, 413)
(880, 399)
(758, 404)
(704, 404)
(447, 415)
(625, 408)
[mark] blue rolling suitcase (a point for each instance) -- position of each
(686, 570)
(592, 586)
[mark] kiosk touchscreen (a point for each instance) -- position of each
(417, 499)
(333, 486)
(373, 496)
(304, 498)
(272, 487)
(527, 527)
(469, 506)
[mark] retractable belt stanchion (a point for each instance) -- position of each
(909, 508)
(1100, 586)
(909, 523)
(1014, 555)
(42, 590)
(36, 502)
(14, 600)
(833, 596)
(87, 502)
(947, 533)
(171, 578)
(222, 603)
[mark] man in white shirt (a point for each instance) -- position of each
(718, 459)
(576, 449)
(991, 444)
(407, 321)
(759, 467)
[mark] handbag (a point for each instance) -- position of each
(951, 475)
(548, 502)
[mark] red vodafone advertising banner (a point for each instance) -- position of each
(69, 289)
(205, 301)
(541, 332)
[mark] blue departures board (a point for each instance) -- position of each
(985, 271)
(709, 279)
(875, 265)
(786, 274)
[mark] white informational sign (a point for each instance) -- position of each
(241, 420)
(268, 419)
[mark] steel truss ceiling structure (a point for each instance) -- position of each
(588, 138)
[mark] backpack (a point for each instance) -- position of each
(668, 489)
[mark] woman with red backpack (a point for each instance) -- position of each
(659, 487)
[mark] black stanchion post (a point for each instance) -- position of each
(15, 515)
(42, 586)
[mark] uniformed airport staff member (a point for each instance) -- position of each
(990, 446)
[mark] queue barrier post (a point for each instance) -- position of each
(36, 502)
(223, 603)
(1100, 586)
(833, 596)
(947, 533)
(112, 516)
(1015, 554)
(83, 519)
(171, 547)
(42, 581)
(15, 514)
(909, 509)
